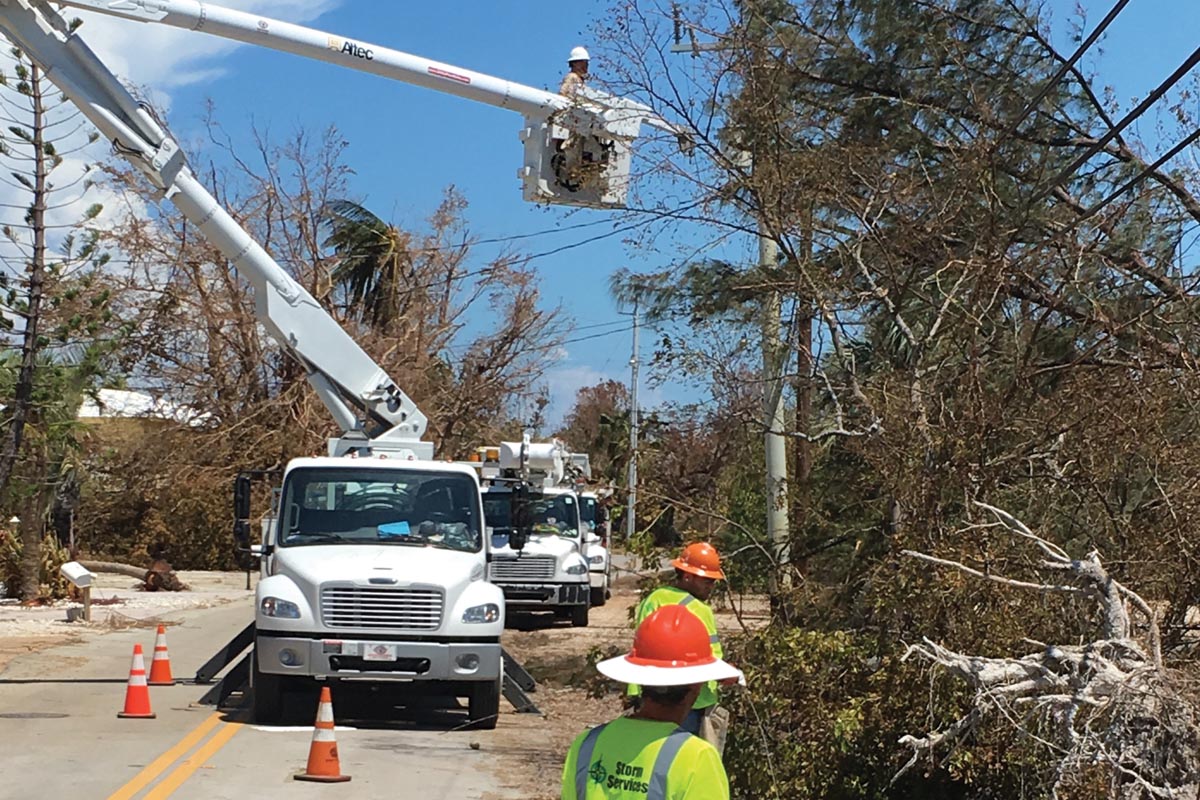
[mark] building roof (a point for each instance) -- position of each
(124, 404)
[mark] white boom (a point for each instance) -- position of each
(366, 403)
(577, 150)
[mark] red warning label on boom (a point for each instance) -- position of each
(453, 76)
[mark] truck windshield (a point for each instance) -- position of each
(381, 506)
(555, 514)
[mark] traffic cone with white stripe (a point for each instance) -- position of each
(323, 765)
(137, 694)
(160, 665)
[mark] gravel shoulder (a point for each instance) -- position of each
(116, 605)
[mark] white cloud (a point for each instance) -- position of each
(158, 57)
(166, 58)
(563, 383)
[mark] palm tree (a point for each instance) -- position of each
(375, 261)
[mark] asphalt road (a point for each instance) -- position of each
(60, 736)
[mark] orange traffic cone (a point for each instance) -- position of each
(137, 694)
(160, 665)
(323, 765)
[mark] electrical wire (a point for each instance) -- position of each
(1066, 67)
(1125, 122)
(1145, 173)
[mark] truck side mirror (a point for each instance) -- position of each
(521, 515)
(241, 517)
(241, 498)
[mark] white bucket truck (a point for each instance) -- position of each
(550, 573)
(374, 568)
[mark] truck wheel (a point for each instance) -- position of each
(483, 704)
(599, 596)
(267, 691)
(579, 616)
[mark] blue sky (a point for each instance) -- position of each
(408, 143)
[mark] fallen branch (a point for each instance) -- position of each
(1111, 701)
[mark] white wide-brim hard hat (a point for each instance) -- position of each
(624, 670)
(578, 54)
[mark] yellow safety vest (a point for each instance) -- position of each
(667, 596)
(636, 759)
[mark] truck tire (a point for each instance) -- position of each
(599, 596)
(483, 704)
(267, 692)
(579, 616)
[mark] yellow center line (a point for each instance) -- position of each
(160, 764)
(196, 760)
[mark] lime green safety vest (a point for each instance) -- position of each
(637, 759)
(668, 596)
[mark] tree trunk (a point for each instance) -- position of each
(31, 527)
(114, 568)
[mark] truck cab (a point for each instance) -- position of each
(374, 570)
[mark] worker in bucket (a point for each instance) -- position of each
(577, 72)
(566, 168)
(697, 570)
(647, 755)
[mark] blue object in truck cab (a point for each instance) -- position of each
(394, 529)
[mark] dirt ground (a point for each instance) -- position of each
(570, 693)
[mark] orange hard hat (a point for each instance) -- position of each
(670, 648)
(700, 559)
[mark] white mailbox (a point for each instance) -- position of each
(77, 574)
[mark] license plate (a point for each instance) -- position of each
(379, 652)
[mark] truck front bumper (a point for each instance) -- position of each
(545, 595)
(377, 659)
(597, 579)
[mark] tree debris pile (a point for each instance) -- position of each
(1109, 703)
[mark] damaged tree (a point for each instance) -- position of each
(1110, 703)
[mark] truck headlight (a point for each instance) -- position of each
(488, 612)
(282, 609)
(595, 559)
(577, 569)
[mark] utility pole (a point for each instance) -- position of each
(773, 360)
(774, 419)
(630, 522)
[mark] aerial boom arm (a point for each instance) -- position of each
(577, 149)
(362, 398)
(265, 32)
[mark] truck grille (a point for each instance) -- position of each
(357, 607)
(528, 568)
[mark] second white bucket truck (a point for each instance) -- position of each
(550, 572)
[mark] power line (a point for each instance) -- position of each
(1145, 173)
(1128, 119)
(1066, 67)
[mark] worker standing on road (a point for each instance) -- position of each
(697, 571)
(577, 72)
(648, 756)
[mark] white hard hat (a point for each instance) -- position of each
(578, 54)
(671, 647)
